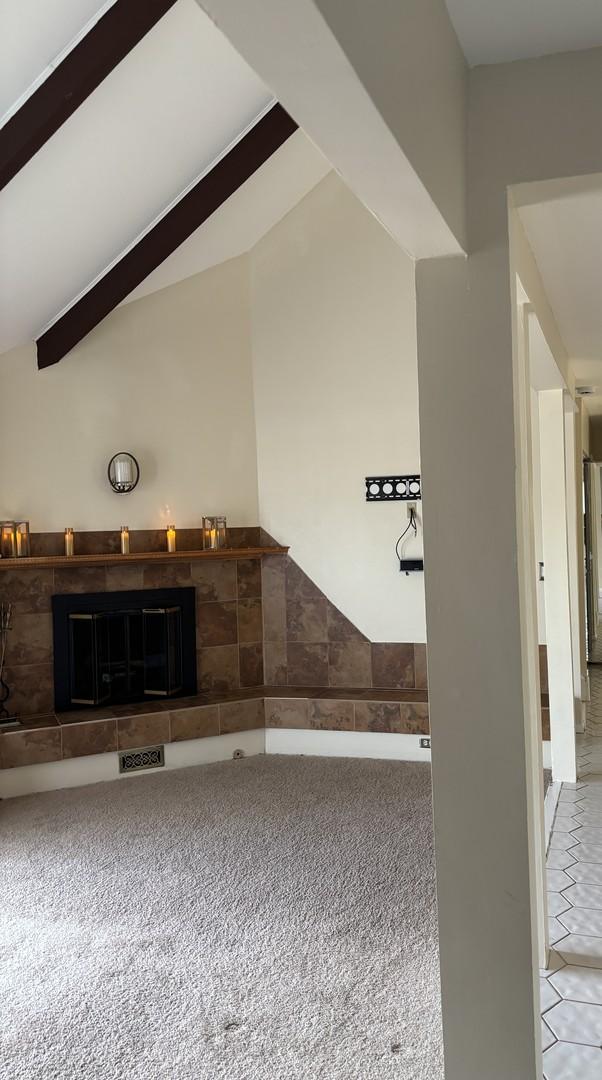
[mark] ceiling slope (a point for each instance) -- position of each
(156, 123)
(105, 45)
(172, 229)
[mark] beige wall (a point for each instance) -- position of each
(167, 377)
(323, 310)
(336, 399)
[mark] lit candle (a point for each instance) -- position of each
(123, 471)
(69, 548)
(22, 539)
(171, 538)
(125, 540)
(7, 542)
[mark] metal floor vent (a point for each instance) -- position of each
(151, 757)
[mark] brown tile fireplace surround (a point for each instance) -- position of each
(272, 650)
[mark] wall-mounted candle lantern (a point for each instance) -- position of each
(69, 542)
(170, 533)
(8, 540)
(125, 539)
(22, 539)
(214, 533)
(123, 472)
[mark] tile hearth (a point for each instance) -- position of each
(80, 733)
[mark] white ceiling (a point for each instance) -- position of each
(32, 34)
(285, 178)
(492, 31)
(565, 235)
(155, 123)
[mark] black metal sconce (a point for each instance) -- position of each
(123, 472)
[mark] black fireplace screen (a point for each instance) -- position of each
(114, 648)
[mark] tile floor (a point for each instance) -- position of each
(571, 989)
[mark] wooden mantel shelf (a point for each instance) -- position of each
(55, 561)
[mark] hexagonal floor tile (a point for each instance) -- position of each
(567, 797)
(559, 860)
(574, 1021)
(584, 873)
(588, 834)
(581, 950)
(587, 818)
(579, 920)
(555, 963)
(590, 803)
(547, 995)
(556, 930)
(547, 1039)
(564, 1061)
(565, 810)
(591, 853)
(557, 902)
(557, 880)
(578, 984)
(584, 896)
(562, 841)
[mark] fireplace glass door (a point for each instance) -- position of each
(124, 655)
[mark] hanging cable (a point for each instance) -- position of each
(411, 525)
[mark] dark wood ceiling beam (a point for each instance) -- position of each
(73, 80)
(207, 195)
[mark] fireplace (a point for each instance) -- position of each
(121, 647)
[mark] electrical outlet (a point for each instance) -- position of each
(425, 744)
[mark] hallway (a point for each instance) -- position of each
(571, 989)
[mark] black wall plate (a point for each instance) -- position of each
(393, 488)
(410, 566)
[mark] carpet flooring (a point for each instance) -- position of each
(266, 919)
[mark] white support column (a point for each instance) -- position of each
(596, 508)
(575, 554)
(528, 522)
(581, 552)
(558, 606)
(480, 683)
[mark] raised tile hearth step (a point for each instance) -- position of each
(56, 737)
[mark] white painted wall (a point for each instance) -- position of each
(336, 399)
(333, 342)
(557, 591)
(537, 522)
(167, 377)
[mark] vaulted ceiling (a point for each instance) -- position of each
(160, 120)
(96, 178)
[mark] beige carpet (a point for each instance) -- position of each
(267, 919)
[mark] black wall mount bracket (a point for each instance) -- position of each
(393, 488)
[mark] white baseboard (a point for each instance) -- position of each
(360, 744)
(101, 767)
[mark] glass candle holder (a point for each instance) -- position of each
(8, 540)
(222, 532)
(209, 534)
(170, 533)
(214, 533)
(69, 542)
(125, 539)
(22, 539)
